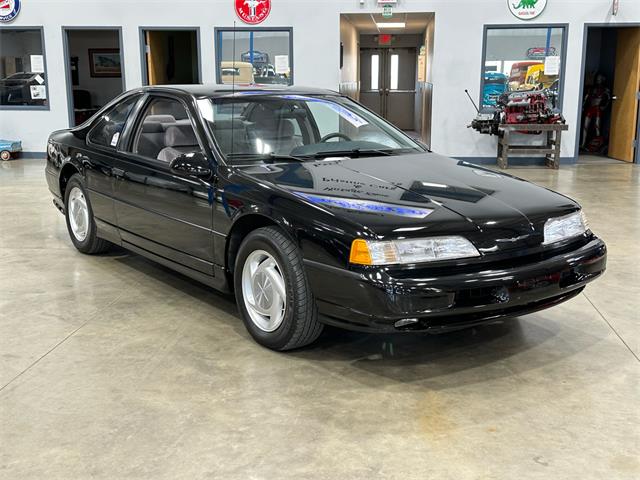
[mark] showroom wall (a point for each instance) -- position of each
(316, 34)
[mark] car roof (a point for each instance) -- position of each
(213, 90)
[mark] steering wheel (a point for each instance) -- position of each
(329, 136)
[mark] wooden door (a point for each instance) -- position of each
(156, 61)
(626, 85)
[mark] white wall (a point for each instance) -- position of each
(349, 83)
(316, 32)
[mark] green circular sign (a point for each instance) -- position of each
(526, 9)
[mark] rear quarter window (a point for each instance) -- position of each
(109, 127)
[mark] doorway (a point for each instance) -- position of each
(385, 64)
(388, 83)
(94, 72)
(170, 56)
(609, 125)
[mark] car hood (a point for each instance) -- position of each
(423, 195)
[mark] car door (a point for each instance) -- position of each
(97, 161)
(157, 210)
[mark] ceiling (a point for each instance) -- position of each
(366, 22)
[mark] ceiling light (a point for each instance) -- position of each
(391, 24)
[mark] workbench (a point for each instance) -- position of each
(551, 149)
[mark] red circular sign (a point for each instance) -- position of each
(253, 11)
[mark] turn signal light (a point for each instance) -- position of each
(360, 252)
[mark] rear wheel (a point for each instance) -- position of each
(273, 293)
(80, 222)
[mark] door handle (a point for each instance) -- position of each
(117, 172)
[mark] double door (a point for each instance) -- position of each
(388, 83)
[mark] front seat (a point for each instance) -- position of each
(178, 139)
(285, 139)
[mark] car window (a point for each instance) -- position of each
(111, 124)
(165, 131)
(298, 125)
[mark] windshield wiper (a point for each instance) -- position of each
(353, 153)
(267, 158)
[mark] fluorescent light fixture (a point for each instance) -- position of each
(391, 24)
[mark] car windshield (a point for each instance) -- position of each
(254, 126)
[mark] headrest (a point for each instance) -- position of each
(287, 128)
(180, 136)
(152, 127)
(160, 119)
(282, 129)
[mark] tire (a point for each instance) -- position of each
(298, 326)
(5, 155)
(88, 243)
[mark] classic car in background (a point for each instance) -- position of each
(24, 88)
(495, 84)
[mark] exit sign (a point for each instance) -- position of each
(387, 11)
(384, 39)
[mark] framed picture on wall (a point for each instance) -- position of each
(105, 62)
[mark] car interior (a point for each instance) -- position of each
(166, 132)
(288, 128)
(254, 128)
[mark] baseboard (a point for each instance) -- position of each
(41, 155)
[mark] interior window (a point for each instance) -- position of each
(254, 56)
(108, 129)
(165, 132)
(23, 80)
(522, 58)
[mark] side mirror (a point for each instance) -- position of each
(191, 164)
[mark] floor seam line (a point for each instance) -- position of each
(611, 327)
(35, 362)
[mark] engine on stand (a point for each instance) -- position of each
(520, 107)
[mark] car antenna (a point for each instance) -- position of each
(233, 88)
(472, 102)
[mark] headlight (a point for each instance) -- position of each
(371, 252)
(561, 228)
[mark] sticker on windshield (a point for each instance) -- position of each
(115, 138)
(351, 117)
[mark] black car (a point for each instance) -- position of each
(315, 211)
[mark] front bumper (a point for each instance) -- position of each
(375, 300)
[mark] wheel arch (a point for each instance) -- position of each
(244, 225)
(67, 171)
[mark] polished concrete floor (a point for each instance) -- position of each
(112, 367)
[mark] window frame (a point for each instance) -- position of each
(107, 108)
(134, 129)
(46, 70)
(218, 31)
(512, 26)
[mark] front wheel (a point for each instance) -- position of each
(273, 293)
(5, 155)
(80, 222)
